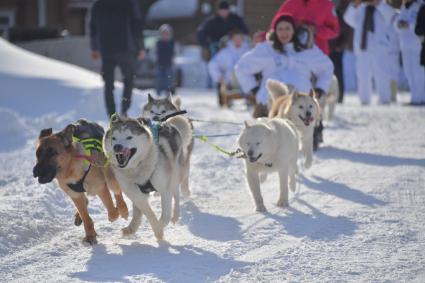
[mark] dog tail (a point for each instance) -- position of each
(177, 102)
(184, 127)
(276, 89)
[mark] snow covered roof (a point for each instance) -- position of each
(165, 9)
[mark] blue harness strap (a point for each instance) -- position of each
(154, 127)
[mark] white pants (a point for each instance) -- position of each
(415, 73)
(371, 64)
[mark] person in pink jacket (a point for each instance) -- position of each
(319, 15)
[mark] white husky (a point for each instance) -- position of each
(146, 159)
(301, 108)
(270, 145)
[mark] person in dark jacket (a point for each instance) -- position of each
(116, 37)
(420, 31)
(165, 55)
(339, 44)
(215, 27)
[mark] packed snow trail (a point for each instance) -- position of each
(357, 215)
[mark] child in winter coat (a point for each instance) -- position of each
(165, 55)
(221, 66)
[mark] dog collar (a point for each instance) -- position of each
(79, 186)
(147, 187)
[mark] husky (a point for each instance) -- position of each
(64, 156)
(146, 160)
(301, 108)
(159, 109)
(270, 145)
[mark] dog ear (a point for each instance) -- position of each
(150, 98)
(67, 135)
(115, 118)
(246, 124)
(312, 93)
(45, 133)
(169, 97)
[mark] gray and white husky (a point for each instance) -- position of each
(158, 109)
(146, 160)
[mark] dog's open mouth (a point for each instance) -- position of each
(124, 156)
(254, 159)
(307, 120)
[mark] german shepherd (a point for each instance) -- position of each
(60, 157)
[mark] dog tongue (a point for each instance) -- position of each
(126, 151)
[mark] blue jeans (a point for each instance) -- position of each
(164, 80)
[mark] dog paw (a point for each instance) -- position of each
(159, 234)
(127, 231)
(308, 162)
(123, 210)
(90, 239)
(186, 193)
(282, 203)
(261, 208)
(113, 215)
(77, 219)
(174, 219)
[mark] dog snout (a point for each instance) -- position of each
(250, 152)
(118, 148)
(36, 171)
(308, 113)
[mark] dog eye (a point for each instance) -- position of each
(113, 138)
(152, 112)
(163, 111)
(301, 107)
(311, 106)
(129, 138)
(257, 143)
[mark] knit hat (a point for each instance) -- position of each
(223, 5)
(165, 28)
(287, 17)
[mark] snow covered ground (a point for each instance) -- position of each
(357, 215)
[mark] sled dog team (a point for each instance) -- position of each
(139, 156)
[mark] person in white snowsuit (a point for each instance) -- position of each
(221, 66)
(370, 21)
(393, 61)
(282, 58)
(411, 50)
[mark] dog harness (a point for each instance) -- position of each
(89, 144)
(147, 187)
(79, 186)
(155, 128)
